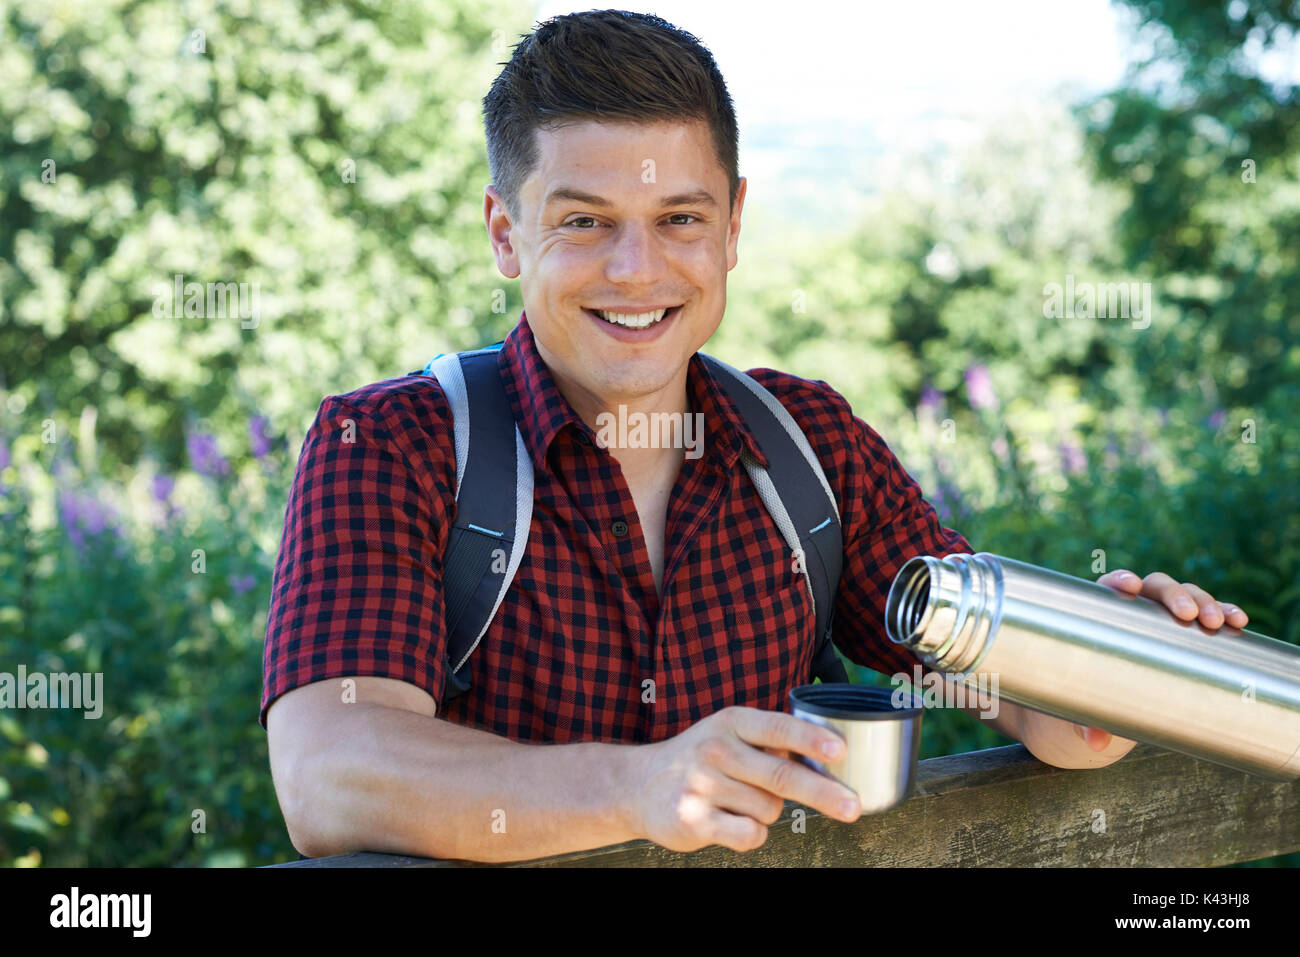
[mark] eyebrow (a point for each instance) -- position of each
(699, 197)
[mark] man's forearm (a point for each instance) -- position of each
(1052, 740)
(394, 781)
(1002, 716)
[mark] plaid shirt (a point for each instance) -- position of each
(582, 648)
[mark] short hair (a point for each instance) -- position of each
(604, 65)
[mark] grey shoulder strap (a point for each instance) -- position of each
(797, 495)
(494, 504)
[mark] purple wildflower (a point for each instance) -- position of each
(947, 498)
(84, 515)
(69, 508)
(93, 515)
(979, 388)
(1217, 419)
(162, 487)
(243, 583)
(1072, 458)
(205, 458)
(931, 398)
(257, 434)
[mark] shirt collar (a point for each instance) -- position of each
(542, 411)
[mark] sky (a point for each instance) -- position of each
(888, 62)
(817, 92)
(827, 93)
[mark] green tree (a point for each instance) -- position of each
(329, 158)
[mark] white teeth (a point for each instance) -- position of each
(641, 321)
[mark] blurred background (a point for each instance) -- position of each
(917, 188)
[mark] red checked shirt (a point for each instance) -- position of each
(582, 648)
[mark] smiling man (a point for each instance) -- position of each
(633, 681)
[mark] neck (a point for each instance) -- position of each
(649, 435)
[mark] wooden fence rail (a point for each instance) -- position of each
(1000, 808)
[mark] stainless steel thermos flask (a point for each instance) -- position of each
(1087, 653)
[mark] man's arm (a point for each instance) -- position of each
(1007, 721)
(1052, 740)
(383, 774)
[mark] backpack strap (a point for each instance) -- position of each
(492, 519)
(797, 495)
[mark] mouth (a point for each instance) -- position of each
(631, 328)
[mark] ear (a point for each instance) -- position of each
(733, 229)
(497, 219)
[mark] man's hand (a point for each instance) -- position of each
(724, 780)
(1186, 601)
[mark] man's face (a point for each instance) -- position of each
(652, 229)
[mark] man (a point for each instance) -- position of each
(655, 624)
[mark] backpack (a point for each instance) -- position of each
(490, 532)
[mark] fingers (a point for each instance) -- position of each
(735, 831)
(773, 729)
(1123, 579)
(1207, 608)
(740, 798)
(1099, 739)
(786, 778)
(1177, 598)
(709, 824)
(1095, 738)
(1234, 615)
(1186, 600)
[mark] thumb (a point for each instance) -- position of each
(1096, 738)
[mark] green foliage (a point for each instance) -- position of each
(329, 158)
(169, 608)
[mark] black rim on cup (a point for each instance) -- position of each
(854, 702)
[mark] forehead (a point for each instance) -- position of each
(615, 159)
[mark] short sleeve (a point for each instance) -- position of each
(357, 587)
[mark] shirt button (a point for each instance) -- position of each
(619, 529)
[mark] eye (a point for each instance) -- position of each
(577, 219)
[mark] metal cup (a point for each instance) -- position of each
(882, 732)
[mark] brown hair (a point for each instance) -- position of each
(602, 65)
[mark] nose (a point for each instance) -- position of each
(637, 257)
